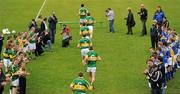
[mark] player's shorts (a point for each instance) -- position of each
(26, 49)
(84, 51)
(82, 21)
(32, 46)
(91, 69)
(7, 62)
(90, 28)
(15, 83)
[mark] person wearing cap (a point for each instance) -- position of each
(82, 13)
(80, 85)
(143, 16)
(154, 35)
(159, 15)
(130, 21)
(52, 26)
(110, 15)
(91, 59)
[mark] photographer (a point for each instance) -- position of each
(65, 32)
(110, 15)
(143, 16)
(154, 75)
(130, 22)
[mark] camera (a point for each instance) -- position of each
(138, 12)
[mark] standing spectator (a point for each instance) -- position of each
(130, 21)
(43, 26)
(143, 16)
(82, 13)
(1, 43)
(66, 33)
(110, 15)
(159, 15)
(52, 26)
(154, 35)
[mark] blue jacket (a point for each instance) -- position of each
(158, 16)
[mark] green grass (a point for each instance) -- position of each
(123, 57)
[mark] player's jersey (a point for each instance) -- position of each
(84, 31)
(92, 58)
(90, 20)
(84, 43)
(80, 85)
(83, 11)
(13, 69)
(7, 53)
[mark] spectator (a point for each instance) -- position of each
(66, 33)
(110, 15)
(159, 15)
(154, 35)
(52, 26)
(1, 43)
(2, 79)
(130, 21)
(143, 16)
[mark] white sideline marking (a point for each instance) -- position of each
(41, 9)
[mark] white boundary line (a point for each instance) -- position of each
(41, 9)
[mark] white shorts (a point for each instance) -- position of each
(26, 49)
(84, 51)
(91, 69)
(90, 28)
(15, 82)
(7, 62)
(82, 21)
(32, 46)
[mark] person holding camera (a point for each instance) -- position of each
(66, 36)
(154, 76)
(110, 15)
(143, 16)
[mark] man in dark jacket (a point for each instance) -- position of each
(130, 21)
(1, 43)
(154, 35)
(143, 16)
(52, 26)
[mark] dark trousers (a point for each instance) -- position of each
(52, 35)
(144, 30)
(1, 89)
(22, 85)
(154, 42)
(129, 29)
(156, 91)
(0, 49)
(65, 42)
(111, 25)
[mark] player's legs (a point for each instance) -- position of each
(91, 31)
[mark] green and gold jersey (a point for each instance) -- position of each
(90, 20)
(7, 53)
(14, 69)
(92, 57)
(82, 12)
(84, 31)
(80, 85)
(84, 43)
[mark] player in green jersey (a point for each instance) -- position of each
(82, 13)
(91, 58)
(84, 45)
(80, 85)
(84, 31)
(90, 23)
